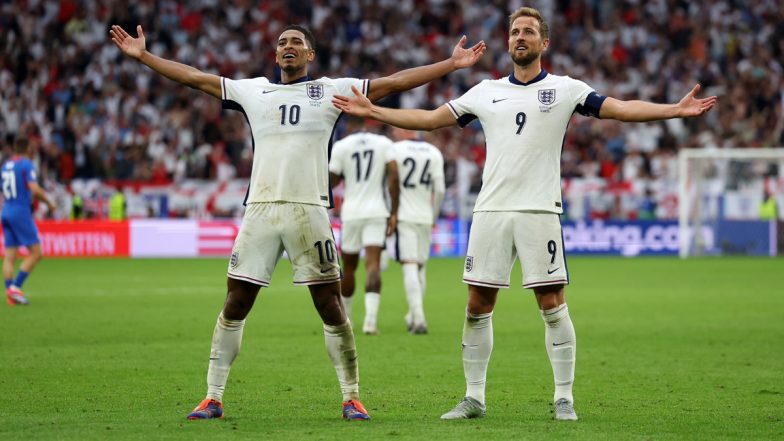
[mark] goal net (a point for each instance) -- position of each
(731, 201)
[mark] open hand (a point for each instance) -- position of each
(133, 47)
(358, 105)
(463, 57)
(690, 105)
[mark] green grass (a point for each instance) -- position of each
(667, 350)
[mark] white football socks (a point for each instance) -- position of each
(372, 302)
(342, 351)
(561, 345)
(477, 347)
(413, 293)
(226, 341)
(347, 302)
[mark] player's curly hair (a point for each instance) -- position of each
(305, 31)
(544, 30)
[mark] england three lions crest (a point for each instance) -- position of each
(315, 91)
(546, 96)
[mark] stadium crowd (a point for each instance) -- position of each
(92, 113)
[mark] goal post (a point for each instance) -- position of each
(720, 192)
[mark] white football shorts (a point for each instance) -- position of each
(498, 237)
(360, 233)
(413, 242)
(302, 230)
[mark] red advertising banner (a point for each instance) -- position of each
(83, 239)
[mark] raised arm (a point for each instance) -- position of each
(181, 73)
(639, 111)
(412, 119)
(417, 76)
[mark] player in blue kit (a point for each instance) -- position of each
(524, 117)
(19, 190)
(291, 124)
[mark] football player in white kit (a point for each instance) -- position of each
(422, 188)
(364, 162)
(291, 125)
(524, 117)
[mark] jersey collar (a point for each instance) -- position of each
(536, 79)
(298, 80)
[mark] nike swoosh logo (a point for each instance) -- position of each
(498, 101)
(326, 270)
(552, 271)
(267, 91)
(560, 344)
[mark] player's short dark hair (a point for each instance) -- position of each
(20, 145)
(305, 31)
(544, 30)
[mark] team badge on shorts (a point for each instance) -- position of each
(469, 265)
(315, 91)
(546, 96)
(235, 257)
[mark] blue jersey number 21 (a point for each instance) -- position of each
(9, 184)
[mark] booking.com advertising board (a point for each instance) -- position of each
(192, 238)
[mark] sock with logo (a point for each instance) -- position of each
(226, 341)
(342, 350)
(561, 343)
(477, 347)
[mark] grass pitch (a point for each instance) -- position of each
(667, 350)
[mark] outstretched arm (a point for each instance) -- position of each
(412, 119)
(639, 111)
(417, 76)
(181, 73)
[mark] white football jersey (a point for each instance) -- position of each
(524, 127)
(292, 127)
(421, 169)
(361, 158)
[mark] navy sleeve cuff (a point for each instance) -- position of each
(592, 106)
